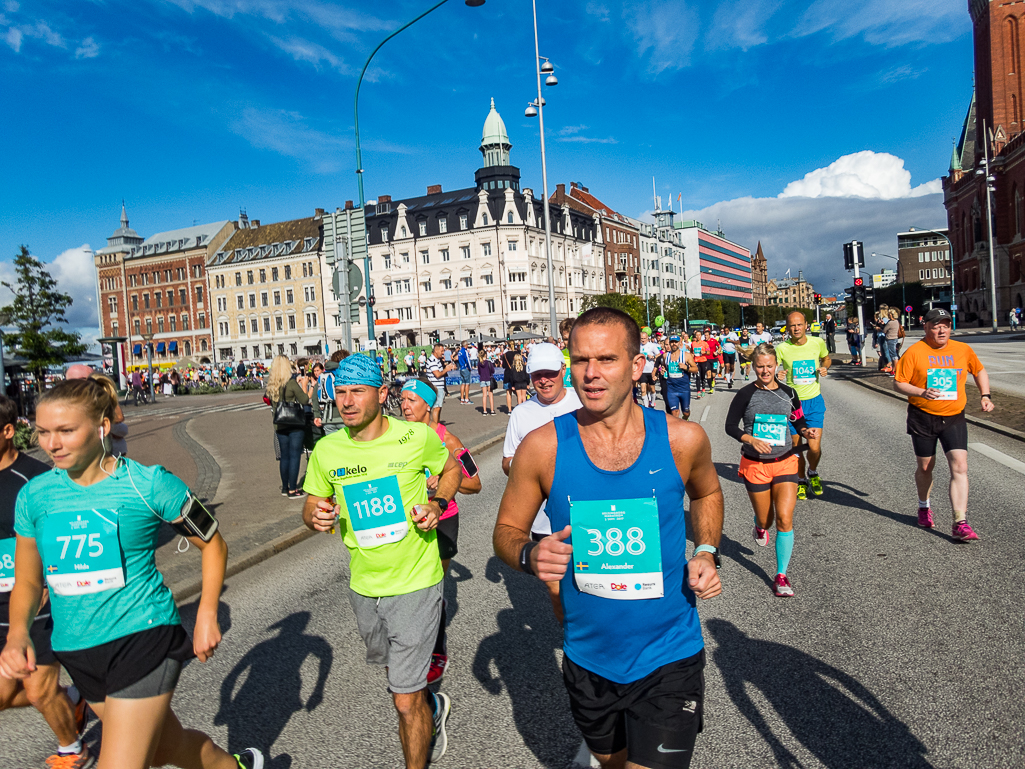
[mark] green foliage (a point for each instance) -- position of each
(25, 436)
(36, 310)
(628, 303)
(247, 386)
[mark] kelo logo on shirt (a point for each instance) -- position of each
(348, 472)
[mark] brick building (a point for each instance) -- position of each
(267, 292)
(790, 292)
(759, 278)
(621, 235)
(158, 286)
(995, 119)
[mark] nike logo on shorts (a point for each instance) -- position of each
(671, 750)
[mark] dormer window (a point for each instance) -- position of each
(423, 229)
(384, 234)
(462, 221)
(443, 225)
(484, 219)
(510, 218)
(403, 232)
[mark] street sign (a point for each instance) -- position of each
(357, 234)
(909, 308)
(953, 307)
(355, 280)
(386, 322)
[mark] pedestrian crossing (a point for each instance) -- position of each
(187, 405)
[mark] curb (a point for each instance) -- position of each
(192, 588)
(1008, 432)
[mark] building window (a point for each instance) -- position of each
(145, 301)
(149, 325)
(174, 323)
(488, 279)
(490, 303)
(484, 219)
(291, 323)
(425, 257)
(485, 249)
(160, 325)
(185, 322)
(137, 329)
(423, 228)
(279, 323)
(311, 320)
(288, 272)
(273, 273)
(465, 250)
(443, 225)
(170, 298)
(252, 301)
(277, 298)
(425, 286)
(518, 303)
(444, 254)
(446, 283)
(249, 277)
(266, 324)
(264, 302)
(289, 296)
(509, 218)
(199, 295)
(135, 303)
(462, 221)
(388, 289)
(310, 293)
(159, 298)
(468, 281)
(512, 245)
(238, 278)
(240, 301)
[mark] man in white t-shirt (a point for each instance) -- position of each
(760, 335)
(650, 350)
(437, 368)
(546, 367)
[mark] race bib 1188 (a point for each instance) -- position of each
(375, 511)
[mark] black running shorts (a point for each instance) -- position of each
(646, 379)
(656, 719)
(114, 667)
(448, 537)
(926, 429)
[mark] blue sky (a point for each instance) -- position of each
(191, 109)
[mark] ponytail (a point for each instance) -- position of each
(95, 396)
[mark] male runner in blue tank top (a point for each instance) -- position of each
(614, 477)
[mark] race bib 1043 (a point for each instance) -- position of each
(617, 550)
(376, 512)
(804, 372)
(81, 552)
(7, 564)
(944, 380)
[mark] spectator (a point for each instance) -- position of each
(486, 372)
(283, 388)
(891, 333)
(465, 375)
(137, 388)
(830, 328)
(854, 341)
(240, 370)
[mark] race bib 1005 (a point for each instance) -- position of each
(804, 372)
(617, 550)
(376, 512)
(944, 380)
(7, 564)
(771, 428)
(81, 552)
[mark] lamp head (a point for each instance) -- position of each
(475, 3)
(531, 111)
(551, 80)
(547, 67)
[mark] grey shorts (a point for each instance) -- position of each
(162, 680)
(400, 632)
(465, 376)
(440, 390)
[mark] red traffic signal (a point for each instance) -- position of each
(859, 281)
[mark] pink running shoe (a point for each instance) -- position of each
(925, 517)
(962, 532)
(782, 586)
(439, 664)
(761, 536)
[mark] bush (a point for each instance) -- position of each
(244, 386)
(25, 436)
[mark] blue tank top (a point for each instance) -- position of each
(624, 641)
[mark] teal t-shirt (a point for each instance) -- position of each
(91, 619)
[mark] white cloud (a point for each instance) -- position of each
(664, 33)
(806, 231)
(598, 11)
(864, 174)
(313, 53)
(41, 30)
(89, 49)
(11, 7)
(75, 273)
(587, 139)
(885, 22)
(741, 24)
(288, 134)
(571, 129)
(13, 38)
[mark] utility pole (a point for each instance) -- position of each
(989, 230)
(861, 314)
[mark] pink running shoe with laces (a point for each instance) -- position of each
(962, 532)
(925, 517)
(761, 536)
(782, 586)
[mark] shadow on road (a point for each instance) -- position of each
(258, 712)
(523, 654)
(833, 716)
(728, 471)
(850, 497)
(732, 550)
(457, 573)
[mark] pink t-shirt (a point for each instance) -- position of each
(453, 507)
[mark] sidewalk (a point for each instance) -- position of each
(221, 445)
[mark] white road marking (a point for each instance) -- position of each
(999, 456)
(704, 414)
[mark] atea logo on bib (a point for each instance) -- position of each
(348, 472)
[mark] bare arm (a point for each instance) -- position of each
(319, 513)
(506, 465)
(982, 382)
(18, 659)
(207, 634)
(466, 485)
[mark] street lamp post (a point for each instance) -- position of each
(900, 273)
(537, 109)
(989, 229)
(953, 296)
(359, 154)
(149, 365)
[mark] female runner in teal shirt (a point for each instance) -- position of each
(93, 523)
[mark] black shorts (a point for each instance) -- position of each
(729, 357)
(703, 368)
(646, 379)
(657, 719)
(925, 429)
(115, 667)
(448, 536)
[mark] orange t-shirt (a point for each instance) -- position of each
(949, 368)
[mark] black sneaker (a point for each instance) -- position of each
(439, 743)
(250, 758)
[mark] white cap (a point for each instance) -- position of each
(544, 357)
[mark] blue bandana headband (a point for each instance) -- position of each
(422, 390)
(358, 370)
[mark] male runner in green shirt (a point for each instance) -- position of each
(368, 479)
(805, 360)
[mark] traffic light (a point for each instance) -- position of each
(853, 250)
(858, 290)
(818, 298)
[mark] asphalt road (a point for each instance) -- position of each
(900, 649)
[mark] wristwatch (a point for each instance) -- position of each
(442, 503)
(709, 549)
(525, 552)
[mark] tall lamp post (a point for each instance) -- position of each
(536, 109)
(149, 365)
(990, 179)
(953, 296)
(359, 155)
(900, 274)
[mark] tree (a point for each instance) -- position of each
(37, 308)
(628, 303)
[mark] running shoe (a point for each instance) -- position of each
(761, 537)
(81, 760)
(802, 491)
(782, 587)
(81, 715)
(439, 742)
(439, 664)
(962, 532)
(816, 485)
(250, 758)
(925, 517)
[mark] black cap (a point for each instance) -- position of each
(937, 313)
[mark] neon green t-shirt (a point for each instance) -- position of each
(801, 362)
(360, 475)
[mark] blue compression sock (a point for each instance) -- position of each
(784, 547)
